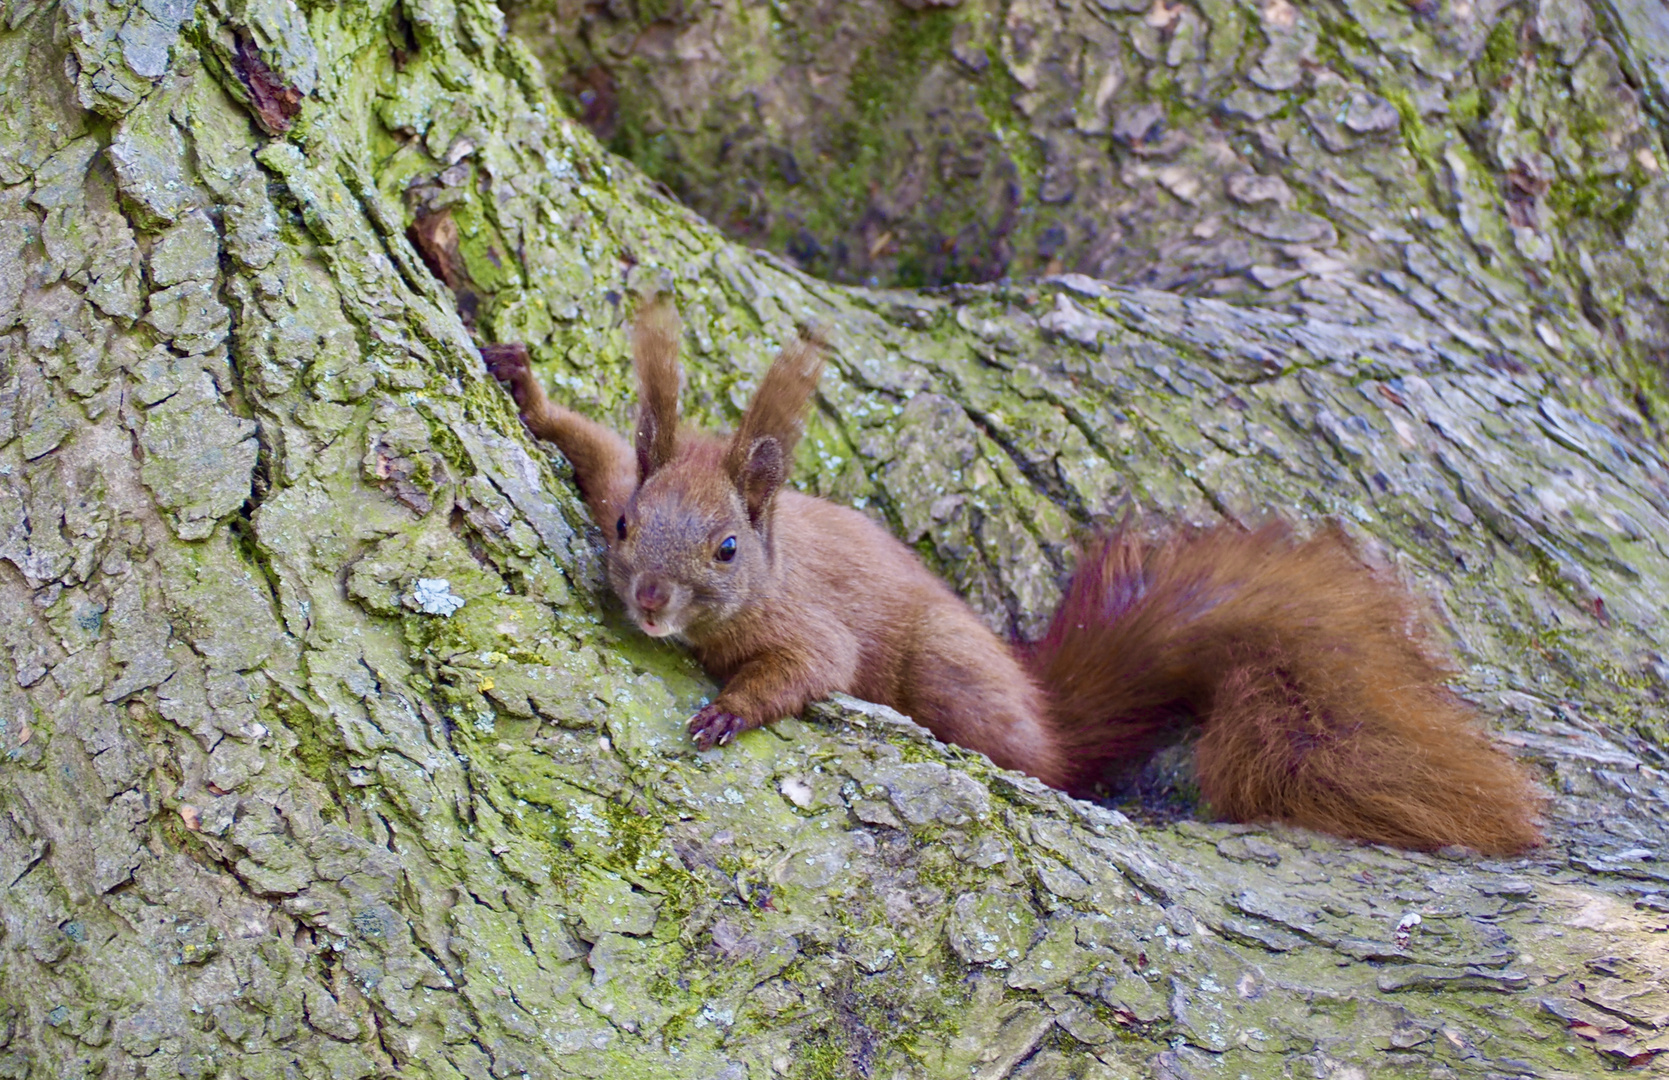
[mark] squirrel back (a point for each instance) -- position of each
(1317, 702)
(1317, 706)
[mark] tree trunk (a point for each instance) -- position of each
(1500, 156)
(325, 753)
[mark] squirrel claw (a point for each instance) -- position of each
(712, 726)
(508, 363)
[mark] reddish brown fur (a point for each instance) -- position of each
(655, 357)
(1317, 706)
(603, 466)
(778, 408)
(848, 608)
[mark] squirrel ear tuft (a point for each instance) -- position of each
(762, 473)
(655, 356)
(758, 456)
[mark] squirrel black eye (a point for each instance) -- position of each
(620, 527)
(727, 550)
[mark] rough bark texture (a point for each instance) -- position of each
(1501, 155)
(322, 752)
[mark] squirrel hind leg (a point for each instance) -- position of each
(967, 688)
(1401, 766)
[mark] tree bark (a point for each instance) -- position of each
(325, 754)
(1500, 156)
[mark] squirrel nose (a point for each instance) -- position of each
(651, 595)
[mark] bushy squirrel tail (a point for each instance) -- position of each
(1318, 703)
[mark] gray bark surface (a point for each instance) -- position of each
(323, 752)
(1501, 156)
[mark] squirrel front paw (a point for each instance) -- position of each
(508, 363)
(712, 726)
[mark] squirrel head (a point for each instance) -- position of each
(694, 547)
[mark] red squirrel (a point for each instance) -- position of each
(1316, 705)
